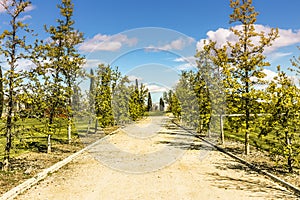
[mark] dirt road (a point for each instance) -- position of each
(155, 160)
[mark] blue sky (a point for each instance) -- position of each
(128, 33)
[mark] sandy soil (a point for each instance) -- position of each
(139, 163)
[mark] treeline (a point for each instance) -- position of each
(113, 100)
(229, 80)
(44, 91)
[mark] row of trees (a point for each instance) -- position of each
(49, 91)
(46, 89)
(226, 81)
(230, 79)
(113, 98)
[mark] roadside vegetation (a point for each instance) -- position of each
(45, 116)
(235, 101)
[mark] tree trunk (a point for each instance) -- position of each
(89, 126)
(290, 158)
(69, 131)
(70, 113)
(222, 131)
(1, 93)
(96, 125)
(208, 132)
(6, 161)
(247, 108)
(49, 144)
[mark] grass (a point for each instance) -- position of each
(28, 155)
(263, 143)
(155, 113)
(30, 135)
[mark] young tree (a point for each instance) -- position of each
(167, 97)
(71, 61)
(91, 100)
(283, 120)
(91, 92)
(58, 67)
(13, 48)
(103, 95)
(137, 99)
(242, 62)
(121, 96)
(175, 105)
(187, 98)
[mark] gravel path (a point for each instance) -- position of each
(155, 160)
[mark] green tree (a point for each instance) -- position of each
(14, 46)
(103, 95)
(91, 92)
(167, 97)
(175, 105)
(70, 61)
(91, 99)
(137, 100)
(187, 98)
(242, 62)
(46, 100)
(283, 121)
(121, 96)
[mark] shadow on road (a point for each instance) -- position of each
(187, 141)
(257, 187)
(179, 138)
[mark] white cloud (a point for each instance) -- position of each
(269, 75)
(30, 8)
(187, 63)
(22, 65)
(91, 63)
(8, 2)
(177, 44)
(107, 43)
(277, 55)
(154, 88)
(222, 36)
(190, 59)
(24, 18)
(186, 66)
(132, 78)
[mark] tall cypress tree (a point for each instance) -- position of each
(161, 104)
(149, 102)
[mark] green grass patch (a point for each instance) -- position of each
(156, 113)
(262, 142)
(31, 135)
